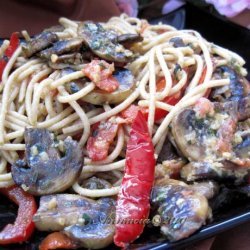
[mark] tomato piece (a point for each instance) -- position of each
(171, 100)
(98, 144)
(109, 84)
(226, 133)
(100, 73)
(130, 113)
(57, 240)
(24, 226)
(203, 107)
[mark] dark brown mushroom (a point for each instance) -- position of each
(62, 47)
(207, 137)
(180, 210)
(103, 42)
(49, 166)
(95, 183)
(124, 77)
(39, 42)
(207, 188)
(224, 170)
(238, 88)
(99, 228)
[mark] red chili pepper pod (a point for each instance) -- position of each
(133, 200)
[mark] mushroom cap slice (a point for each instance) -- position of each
(39, 42)
(126, 87)
(45, 170)
(103, 42)
(187, 131)
(182, 211)
(98, 232)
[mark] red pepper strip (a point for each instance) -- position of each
(98, 144)
(3, 63)
(23, 227)
(57, 240)
(133, 200)
(100, 73)
(14, 43)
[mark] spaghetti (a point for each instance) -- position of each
(33, 94)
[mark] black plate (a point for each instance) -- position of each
(221, 32)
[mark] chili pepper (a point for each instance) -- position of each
(14, 43)
(57, 240)
(23, 227)
(133, 200)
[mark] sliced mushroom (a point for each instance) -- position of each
(99, 227)
(180, 209)
(207, 188)
(128, 40)
(126, 87)
(96, 183)
(39, 42)
(238, 88)
(177, 42)
(205, 137)
(225, 170)
(55, 28)
(62, 47)
(243, 108)
(190, 134)
(49, 167)
(103, 42)
(97, 96)
(242, 150)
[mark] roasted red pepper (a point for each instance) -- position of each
(14, 43)
(23, 227)
(57, 240)
(133, 200)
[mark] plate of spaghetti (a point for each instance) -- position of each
(107, 129)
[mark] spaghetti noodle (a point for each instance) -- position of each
(33, 94)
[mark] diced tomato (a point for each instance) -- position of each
(98, 144)
(171, 100)
(109, 84)
(203, 107)
(130, 113)
(226, 134)
(100, 73)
